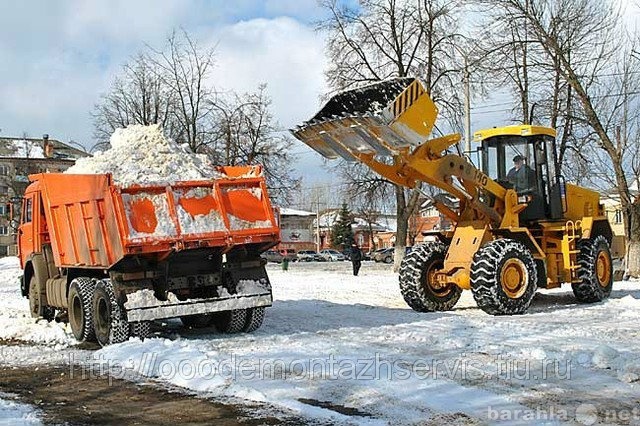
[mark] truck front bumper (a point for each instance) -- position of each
(155, 310)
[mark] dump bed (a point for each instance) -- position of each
(93, 223)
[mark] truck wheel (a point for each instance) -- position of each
(108, 319)
(596, 270)
(417, 283)
(503, 277)
(80, 310)
(36, 305)
(141, 330)
(197, 321)
(255, 316)
(230, 321)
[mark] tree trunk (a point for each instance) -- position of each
(633, 240)
(404, 210)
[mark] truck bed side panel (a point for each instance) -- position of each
(83, 232)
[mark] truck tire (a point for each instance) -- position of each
(230, 321)
(109, 323)
(416, 273)
(80, 312)
(255, 317)
(503, 277)
(197, 321)
(36, 301)
(595, 272)
(141, 330)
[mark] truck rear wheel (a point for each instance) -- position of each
(596, 270)
(108, 319)
(417, 283)
(503, 277)
(141, 329)
(230, 321)
(36, 301)
(79, 309)
(255, 317)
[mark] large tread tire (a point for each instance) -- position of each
(197, 321)
(486, 283)
(414, 276)
(80, 311)
(141, 330)
(230, 322)
(255, 317)
(594, 287)
(36, 301)
(109, 322)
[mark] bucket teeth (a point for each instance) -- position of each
(379, 119)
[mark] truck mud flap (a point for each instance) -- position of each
(155, 310)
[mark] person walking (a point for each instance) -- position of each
(356, 258)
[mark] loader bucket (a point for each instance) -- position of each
(382, 119)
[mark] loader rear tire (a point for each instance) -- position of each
(503, 277)
(80, 312)
(109, 323)
(595, 272)
(416, 280)
(255, 317)
(230, 322)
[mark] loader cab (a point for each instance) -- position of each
(523, 158)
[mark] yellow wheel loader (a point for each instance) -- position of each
(518, 225)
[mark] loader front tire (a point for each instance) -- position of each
(417, 283)
(503, 277)
(109, 323)
(80, 311)
(595, 272)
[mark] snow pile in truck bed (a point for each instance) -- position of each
(143, 155)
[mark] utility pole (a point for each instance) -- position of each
(467, 108)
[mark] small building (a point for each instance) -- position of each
(20, 157)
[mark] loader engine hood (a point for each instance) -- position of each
(381, 119)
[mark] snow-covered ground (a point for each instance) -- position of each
(16, 414)
(344, 349)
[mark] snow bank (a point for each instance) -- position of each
(17, 414)
(143, 155)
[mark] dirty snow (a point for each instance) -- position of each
(16, 414)
(333, 341)
(143, 155)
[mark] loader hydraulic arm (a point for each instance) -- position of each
(391, 141)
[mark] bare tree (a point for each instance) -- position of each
(583, 37)
(244, 132)
(137, 96)
(395, 38)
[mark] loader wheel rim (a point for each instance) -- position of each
(603, 268)
(103, 319)
(513, 278)
(430, 279)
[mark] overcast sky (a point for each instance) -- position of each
(58, 57)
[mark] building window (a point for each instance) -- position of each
(4, 170)
(618, 217)
(3, 209)
(4, 230)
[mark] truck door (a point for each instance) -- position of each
(25, 232)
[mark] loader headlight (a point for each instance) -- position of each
(524, 199)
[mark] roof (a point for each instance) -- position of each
(11, 147)
(517, 130)
(293, 212)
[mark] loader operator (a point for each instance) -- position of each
(521, 176)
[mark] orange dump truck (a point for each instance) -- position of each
(110, 259)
